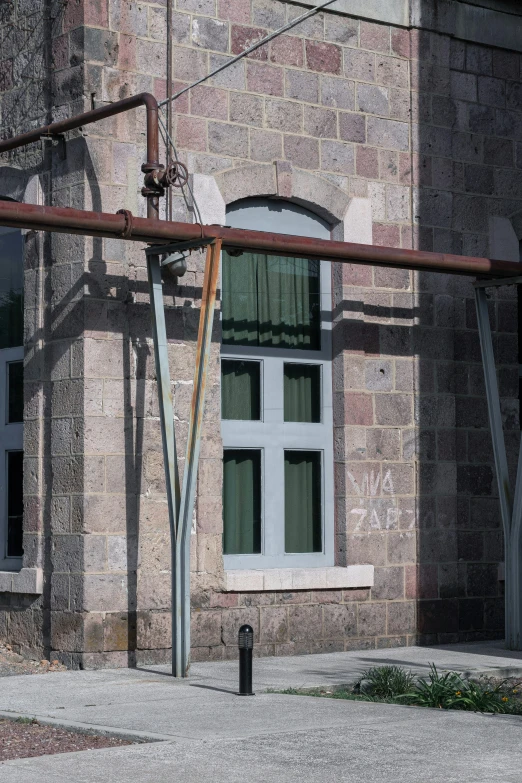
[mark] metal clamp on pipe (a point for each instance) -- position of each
(245, 642)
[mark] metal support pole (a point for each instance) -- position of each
(168, 437)
(511, 512)
(181, 507)
(206, 319)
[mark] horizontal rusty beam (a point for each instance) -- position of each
(102, 224)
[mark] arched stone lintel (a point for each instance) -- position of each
(350, 218)
(282, 180)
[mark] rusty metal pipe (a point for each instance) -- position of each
(111, 109)
(142, 99)
(102, 224)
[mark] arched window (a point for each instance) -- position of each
(276, 397)
(11, 398)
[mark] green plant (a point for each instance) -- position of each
(385, 682)
(452, 691)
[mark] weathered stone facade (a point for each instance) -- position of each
(350, 117)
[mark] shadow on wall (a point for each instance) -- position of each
(463, 158)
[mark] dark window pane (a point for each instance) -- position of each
(303, 528)
(271, 301)
(303, 392)
(241, 502)
(11, 288)
(15, 503)
(240, 390)
(15, 392)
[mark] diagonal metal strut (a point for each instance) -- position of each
(181, 504)
(511, 510)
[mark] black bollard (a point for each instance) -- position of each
(245, 643)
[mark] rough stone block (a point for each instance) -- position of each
(191, 133)
(352, 127)
(67, 631)
(463, 86)
(367, 548)
(268, 13)
(320, 122)
(302, 151)
(393, 409)
(232, 78)
(389, 583)
(154, 630)
(372, 99)
(492, 92)
(341, 30)
(225, 139)
(265, 145)
(244, 37)
(209, 102)
(234, 10)
(105, 593)
(273, 625)
(392, 72)
(401, 617)
(188, 64)
(94, 553)
(339, 621)
(323, 57)
(265, 79)
(337, 157)
(302, 86)
(209, 33)
(197, 6)
(359, 65)
(247, 109)
(371, 619)
(388, 133)
(304, 623)
(287, 50)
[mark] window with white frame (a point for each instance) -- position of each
(276, 393)
(11, 399)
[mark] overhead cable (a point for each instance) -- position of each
(252, 48)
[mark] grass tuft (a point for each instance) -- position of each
(448, 691)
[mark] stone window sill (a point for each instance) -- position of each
(333, 578)
(27, 580)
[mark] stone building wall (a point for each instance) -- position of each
(422, 126)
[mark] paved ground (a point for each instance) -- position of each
(206, 732)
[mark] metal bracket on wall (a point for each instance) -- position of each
(181, 504)
(510, 508)
(178, 247)
(59, 138)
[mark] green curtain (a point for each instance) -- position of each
(303, 529)
(241, 502)
(271, 301)
(11, 289)
(240, 390)
(302, 390)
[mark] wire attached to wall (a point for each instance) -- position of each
(250, 49)
(166, 128)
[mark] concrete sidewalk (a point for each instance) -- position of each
(205, 731)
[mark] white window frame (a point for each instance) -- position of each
(11, 439)
(272, 434)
